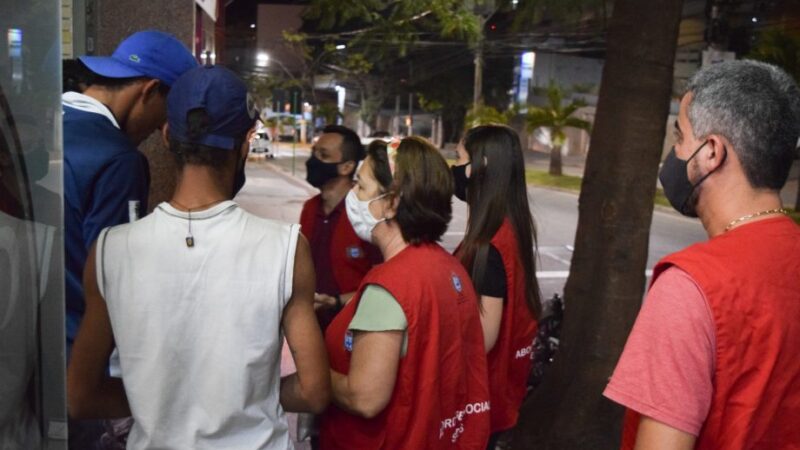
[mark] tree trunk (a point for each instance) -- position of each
(555, 160)
(606, 282)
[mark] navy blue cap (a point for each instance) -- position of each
(222, 94)
(153, 54)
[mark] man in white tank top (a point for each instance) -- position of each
(197, 297)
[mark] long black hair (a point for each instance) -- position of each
(497, 190)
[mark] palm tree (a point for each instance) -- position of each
(556, 117)
(486, 115)
(329, 112)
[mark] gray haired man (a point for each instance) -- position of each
(712, 359)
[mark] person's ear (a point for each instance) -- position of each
(391, 205)
(245, 150)
(718, 147)
(150, 89)
(347, 168)
(165, 134)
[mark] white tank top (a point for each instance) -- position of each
(198, 328)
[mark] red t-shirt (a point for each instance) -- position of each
(666, 369)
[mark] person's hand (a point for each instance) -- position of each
(324, 301)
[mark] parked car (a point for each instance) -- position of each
(376, 135)
(262, 143)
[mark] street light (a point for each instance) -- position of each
(262, 59)
(341, 47)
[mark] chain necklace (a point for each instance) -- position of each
(189, 236)
(754, 215)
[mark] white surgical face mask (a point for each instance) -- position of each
(358, 212)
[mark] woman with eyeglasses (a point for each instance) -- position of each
(407, 353)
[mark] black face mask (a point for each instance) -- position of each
(318, 173)
(675, 179)
(239, 178)
(460, 179)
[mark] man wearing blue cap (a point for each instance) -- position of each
(200, 340)
(104, 173)
(105, 176)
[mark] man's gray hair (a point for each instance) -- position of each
(756, 106)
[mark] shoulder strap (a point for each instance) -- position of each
(99, 262)
(287, 280)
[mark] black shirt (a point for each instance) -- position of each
(494, 277)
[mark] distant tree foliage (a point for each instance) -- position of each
(779, 47)
(385, 40)
(487, 115)
(782, 48)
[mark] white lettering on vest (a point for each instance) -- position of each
(456, 422)
(524, 352)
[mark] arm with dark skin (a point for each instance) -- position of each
(91, 393)
(309, 389)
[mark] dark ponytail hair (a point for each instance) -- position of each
(198, 123)
(497, 190)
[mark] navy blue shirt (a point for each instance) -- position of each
(103, 170)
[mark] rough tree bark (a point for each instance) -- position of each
(606, 283)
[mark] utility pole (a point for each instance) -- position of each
(484, 10)
(396, 122)
(477, 89)
(410, 122)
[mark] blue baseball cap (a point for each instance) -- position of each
(230, 109)
(152, 54)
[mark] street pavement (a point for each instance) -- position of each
(273, 191)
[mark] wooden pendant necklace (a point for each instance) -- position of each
(189, 235)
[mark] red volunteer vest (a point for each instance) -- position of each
(349, 261)
(751, 279)
(510, 359)
(441, 396)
